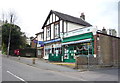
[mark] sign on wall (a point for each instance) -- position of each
(81, 31)
(51, 41)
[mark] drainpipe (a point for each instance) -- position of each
(88, 59)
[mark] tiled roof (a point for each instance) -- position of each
(68, 18)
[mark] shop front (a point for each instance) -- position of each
(53, 50)
(79, 45)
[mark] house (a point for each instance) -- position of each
(33, 42)
(56, 26)
(112, 32)
(40, 45)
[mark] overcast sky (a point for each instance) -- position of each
(33, 13)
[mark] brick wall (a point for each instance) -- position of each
(107, 50)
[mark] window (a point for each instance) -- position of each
(56, 27)
(48, 31)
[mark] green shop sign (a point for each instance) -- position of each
(78, 37)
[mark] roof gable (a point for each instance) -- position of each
(68, 18)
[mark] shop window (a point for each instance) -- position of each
(39, 52)
(66, 54)
(84, 49)
(47, 52)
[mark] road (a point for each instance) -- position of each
(16, 71)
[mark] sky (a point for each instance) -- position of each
(31, 14)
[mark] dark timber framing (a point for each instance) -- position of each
(59, 28)
(63, 26)
(66, 26)
(52, 19)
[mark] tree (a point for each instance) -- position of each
(10, 17)
(18, 38)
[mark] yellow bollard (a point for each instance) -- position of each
(33, 60)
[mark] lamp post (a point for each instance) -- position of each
(8, 49)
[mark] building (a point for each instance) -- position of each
(107, 49)
(40, 45)
(112, 32)
(70, 39)
(78, 42)
(33, 43)
(105, 53)
(119, 19)
(55, 27)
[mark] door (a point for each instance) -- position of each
(69, 54)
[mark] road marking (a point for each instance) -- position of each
(16, 76)
(52, 71)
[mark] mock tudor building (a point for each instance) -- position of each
(67, 38)
(56, 26)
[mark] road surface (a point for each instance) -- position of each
(13, 70)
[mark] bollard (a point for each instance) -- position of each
(18, 57)
(76, 63)
(33, 60)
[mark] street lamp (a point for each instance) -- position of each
(8, 49)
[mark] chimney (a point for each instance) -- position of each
(104, 30)
(82, 16)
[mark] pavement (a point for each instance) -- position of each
(43, 64)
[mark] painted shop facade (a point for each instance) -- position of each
(66, 37)
(56, 29)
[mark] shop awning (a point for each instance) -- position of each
(79, 41)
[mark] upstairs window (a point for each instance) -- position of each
(56, 27)
(48, 31)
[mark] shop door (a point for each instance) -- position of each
(70, 55)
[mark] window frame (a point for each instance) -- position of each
(56, 29)
(48, 31)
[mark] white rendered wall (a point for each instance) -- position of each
(72, 26)
(61, 26)
(52, 26)
(65, 26)
(44, 33)
(52, 31)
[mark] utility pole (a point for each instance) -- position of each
(8, 49)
